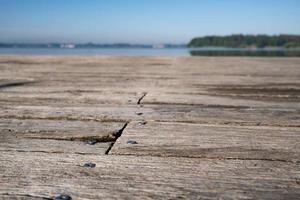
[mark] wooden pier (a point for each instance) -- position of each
(111, 127)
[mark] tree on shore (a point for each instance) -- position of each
(242, 41)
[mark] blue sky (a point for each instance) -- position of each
(142, 21)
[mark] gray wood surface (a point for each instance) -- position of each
(98, 113)
(61, 129)
(57, 136)
(11, 143)
(209, 141)
(197, 127)
(40, 175)
(165, 113)
(223, 115)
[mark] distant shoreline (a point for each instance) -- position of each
(210, 51)
(248, 41)
(206, 48)
(89, 45)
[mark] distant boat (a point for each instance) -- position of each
(67, 46)
(158, 46)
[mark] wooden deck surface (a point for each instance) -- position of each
(155, 127)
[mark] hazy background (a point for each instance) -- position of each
(142, 21)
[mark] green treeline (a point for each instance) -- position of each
(243, 41)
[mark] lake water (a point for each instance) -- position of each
(153, 52)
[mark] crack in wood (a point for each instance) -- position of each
(234, 123)
(107, 138)
(16, 84)
(197, 104)
(25, 196)
(210, 158)
(141, 98)
(22, 117)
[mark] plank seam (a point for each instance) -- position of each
(209, 158)
(47, 152)
(230, 123)
(62, 118)
(26, 195)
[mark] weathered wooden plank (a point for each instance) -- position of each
(75, 97)
(209, 141)
(223, 115)
(167, 113)
(57, 136)
(29, 175)
(100, 113)
(62, 129)
(217, 101)
(12, 143)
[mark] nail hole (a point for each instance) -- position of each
(142, 123)
(92, 142)
(63, 197)
(89, 165)
(131, 142)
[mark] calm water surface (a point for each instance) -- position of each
(153, 52)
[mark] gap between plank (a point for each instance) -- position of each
(117, 135)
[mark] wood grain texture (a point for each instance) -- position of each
(209, 141)
(61, 130)
(10, 143)
(208, 100)
(128, 177)
(57, 136)
(222, 115)
(217, 128)
(98, 113)
(164, 113)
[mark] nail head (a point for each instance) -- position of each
(63, 197)
(92, 142)
(89, 165)
(143, 123)
(131, 142)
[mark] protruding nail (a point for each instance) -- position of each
(131, 142)
(63, 197)
(89, 165)
(92, 142)
(142, 123)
